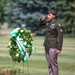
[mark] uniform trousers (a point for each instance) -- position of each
(51, 57)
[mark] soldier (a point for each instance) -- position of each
(53, 40)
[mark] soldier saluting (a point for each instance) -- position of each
(53, 40)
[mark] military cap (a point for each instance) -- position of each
(52, 11)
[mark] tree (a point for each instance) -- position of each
(29, 12)
(66, 10)
(2, 5)
(72, 5)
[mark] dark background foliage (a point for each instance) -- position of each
(27, 13)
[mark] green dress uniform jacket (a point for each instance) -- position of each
(54, 34)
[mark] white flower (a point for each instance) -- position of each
(9, 44)
(22, 30)
(25, 43)
(17, 55)
(33, 48)
(17, 28)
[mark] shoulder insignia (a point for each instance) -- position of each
(61, 30)
(59, 24)
(52, 26)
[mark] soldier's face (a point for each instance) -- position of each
(50, 17)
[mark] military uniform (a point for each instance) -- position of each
(53, 41)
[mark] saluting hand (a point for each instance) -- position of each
(45, 17)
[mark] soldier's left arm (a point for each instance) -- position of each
(59, 36)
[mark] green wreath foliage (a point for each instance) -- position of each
(14, 51)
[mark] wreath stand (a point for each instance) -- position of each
(22, 73)
(20, 46)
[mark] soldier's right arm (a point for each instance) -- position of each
(42, 21)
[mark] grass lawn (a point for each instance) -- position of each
(37, 62)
